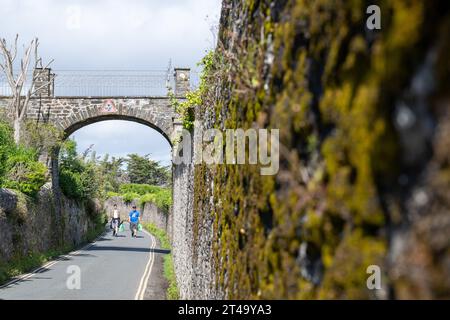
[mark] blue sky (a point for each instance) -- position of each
(111, 35)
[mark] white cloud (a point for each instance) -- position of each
(115, 34)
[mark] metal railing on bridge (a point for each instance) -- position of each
(102, 83)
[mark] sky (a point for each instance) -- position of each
(116, 35)
(119, 138)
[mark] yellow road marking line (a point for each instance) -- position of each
(148, 270)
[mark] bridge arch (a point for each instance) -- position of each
(72, 113)
(78, 125)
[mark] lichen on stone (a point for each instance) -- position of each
(312, 70)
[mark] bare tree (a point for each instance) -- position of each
(21, 91)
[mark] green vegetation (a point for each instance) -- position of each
(130, 196)
(25, 173)
(169, 272)
(19, 166)
(186, 108)
(21, 171)
(6, 148)
(22, 264)
(140, 189)
(143, 170)
(110, 173)
(309, 69)
(162, 199)
(43, 137)
(111, 194)
(160, 196)
(99, 220)
(78, 177)
(83, 177)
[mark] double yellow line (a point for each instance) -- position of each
(148, 270)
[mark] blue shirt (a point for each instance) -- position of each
(134, 216)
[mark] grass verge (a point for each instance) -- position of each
(23, 264)
(169, 271)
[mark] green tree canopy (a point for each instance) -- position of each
(143, 170)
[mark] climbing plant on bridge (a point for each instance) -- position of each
(194, 98)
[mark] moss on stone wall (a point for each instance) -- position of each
(347, 175)
(28, 224)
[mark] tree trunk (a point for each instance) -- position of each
(17, 127)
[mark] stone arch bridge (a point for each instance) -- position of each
(72, 112)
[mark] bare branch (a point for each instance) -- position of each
(21, 79)
(8, 67)
(18, 105)
(14, 48)
(45, 84)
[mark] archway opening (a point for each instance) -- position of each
(119, 164)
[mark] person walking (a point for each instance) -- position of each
(134, 219)
(115, 220)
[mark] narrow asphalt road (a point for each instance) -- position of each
(117, 268)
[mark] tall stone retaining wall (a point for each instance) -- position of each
(364, 160)
(192, 237)
(182, 232)
(28, 225)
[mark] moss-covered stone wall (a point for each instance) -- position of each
(364, 157)
(28, 226)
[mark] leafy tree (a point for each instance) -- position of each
(43, 137)
(143, 170)
(78, 179)
(85, 175)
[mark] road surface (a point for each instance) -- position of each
(110, 268)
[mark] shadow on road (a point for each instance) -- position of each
(115, 248)
(103, 239)
(127, 249)
(84, 255)
(63, 258)
(163, 251)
